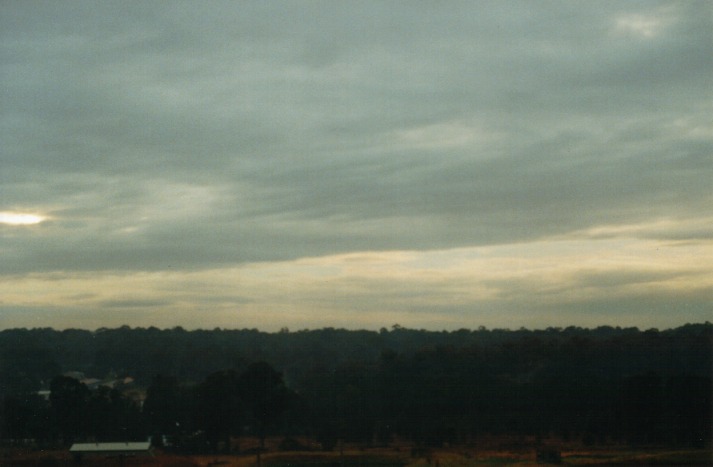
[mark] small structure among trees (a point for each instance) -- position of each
(111, 449)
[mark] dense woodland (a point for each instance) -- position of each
(199, 388)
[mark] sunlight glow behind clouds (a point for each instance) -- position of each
(20, 218)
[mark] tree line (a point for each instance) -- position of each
(200, 388)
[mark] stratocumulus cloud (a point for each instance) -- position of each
(222, 164)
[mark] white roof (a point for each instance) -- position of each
(110, 447)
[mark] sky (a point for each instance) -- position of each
(307, 164)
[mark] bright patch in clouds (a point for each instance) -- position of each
(645, 25)
(20, 218)
(568, 280)
(442, 135)
(639, 25)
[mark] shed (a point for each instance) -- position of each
(113, 449)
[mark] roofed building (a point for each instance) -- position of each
(112, 449)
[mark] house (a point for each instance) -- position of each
(111, 449)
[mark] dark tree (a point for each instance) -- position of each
(162, 407)
(265, 396)
(220, 407)
(24, 416)
(25, 367)
(110, 416)
(689, 410)
(68, 399)
(641, 406)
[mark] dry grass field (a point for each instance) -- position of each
(372, 458)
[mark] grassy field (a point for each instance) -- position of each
(385, 457)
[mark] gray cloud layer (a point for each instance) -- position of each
(191, 135)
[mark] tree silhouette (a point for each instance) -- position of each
(265, 396)
(601, 385)
(221, 407)
(24, 416)
(68, 399)
(688, 409)
(641, 407)
(162, 407)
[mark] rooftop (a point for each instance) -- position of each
(111, 447)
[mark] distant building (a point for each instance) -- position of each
(91, 383)
(111, 449)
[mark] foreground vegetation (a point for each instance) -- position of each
(202, 392)
(378, 457)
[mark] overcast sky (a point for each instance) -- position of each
(436, 164)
